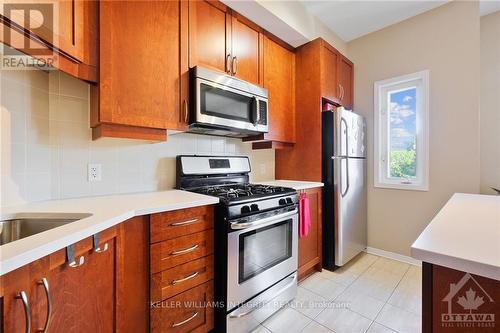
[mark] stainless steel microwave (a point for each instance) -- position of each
(224, 105)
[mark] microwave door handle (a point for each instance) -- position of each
(256, 113)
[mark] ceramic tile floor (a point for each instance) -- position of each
(371, 294)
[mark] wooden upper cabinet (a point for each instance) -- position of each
(224, 40)
(138, 95)
(345, 71)
(279, 79)
(209, 35)
(329, 73)
(247, 49)
(68, 29)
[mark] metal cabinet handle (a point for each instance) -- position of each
(189, 249)
(228, 65)
(235, 65)
(45, 285)
(103, 249)
(186, 111)
(75, 264)
(189, 277)
(188, 222)
(186, 320)
(261, 304)
(27, 314)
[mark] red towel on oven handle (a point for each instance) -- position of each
(304, 216)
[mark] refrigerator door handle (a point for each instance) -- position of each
(344, 141)
(344, 193)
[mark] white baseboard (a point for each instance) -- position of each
(393, 255)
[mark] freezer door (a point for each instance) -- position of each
(350, 133)
(350, 204)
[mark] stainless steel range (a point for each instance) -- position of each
(256, 238)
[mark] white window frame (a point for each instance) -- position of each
(381, 133)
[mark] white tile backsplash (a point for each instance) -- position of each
(46, 145)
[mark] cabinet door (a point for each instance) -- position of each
(346, 81)
(310, 246)
(139, 64)
(329, 73)
(83, 297)
(70, 27)
(14, 314)
(209, 35)
(279, 79)
(247, 41)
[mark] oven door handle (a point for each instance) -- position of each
(261, 304)
(239, 226)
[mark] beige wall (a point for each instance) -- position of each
(46, 146)
(446, 42)
(490, 102)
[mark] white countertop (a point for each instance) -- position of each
(295, 184)
(464, 235)
(106, 211)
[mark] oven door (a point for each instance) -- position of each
(221, 105)
(259, 255)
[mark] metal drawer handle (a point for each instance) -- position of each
(261, 304)
(188, 222)
(45, 285)
(103, 249)
(75, 264)
(194, 315)
(27, 315)
(189, 249)
(189, 277)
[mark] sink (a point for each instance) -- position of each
(27, 224)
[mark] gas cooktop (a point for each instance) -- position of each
(236, 192)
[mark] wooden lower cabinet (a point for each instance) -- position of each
(112, 289)
(182, 271)
(454, 301)
(190, 311)
(82, 297)
(310, 246)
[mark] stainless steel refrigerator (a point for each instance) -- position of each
(344, 193)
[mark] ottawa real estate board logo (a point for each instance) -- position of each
(29, 37)
(468, 305)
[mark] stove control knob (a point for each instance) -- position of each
(245, 210)
(254, 207)
(289, 200)
(282, 202)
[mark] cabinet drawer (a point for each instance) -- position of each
(170, 253)
(182, 222)
(186, 312)
(181, 278)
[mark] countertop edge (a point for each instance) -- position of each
(473, 267)
(299, 185)
(27, 257)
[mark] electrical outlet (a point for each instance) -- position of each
(94, 173)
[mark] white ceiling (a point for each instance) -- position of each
(489, 6)
(353, 19)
